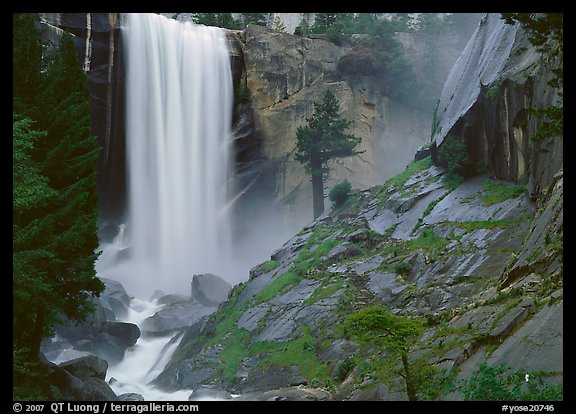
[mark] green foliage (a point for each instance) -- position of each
(492, 92)
(321, 140)
(379, 53)
(401, 268)
(254, 18)
(546, 33)
(324, 292)
(278, 26)
(376, 325)
(54, 193)
(270, 265)
(242, 94)
(498, 192)
(499, 383)
(27, 64)
(279, 285)
(428, 241)
(300, 352)
(415, 166)
(26, 377)
(339, 193)
(224, 20)
(551, 125)
(453, 154)
(303, 29)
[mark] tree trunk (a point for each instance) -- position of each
(409, 381)
(317, 186)
(38, 332)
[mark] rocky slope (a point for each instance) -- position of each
(481, 263)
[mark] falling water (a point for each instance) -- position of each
(178, 116)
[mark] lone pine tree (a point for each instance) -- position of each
(323, 139)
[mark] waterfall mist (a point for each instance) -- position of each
(179, 100)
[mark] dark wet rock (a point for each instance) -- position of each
(380, 392)
(156, 295)
(130, 396)
(79, 380)
(114, 299)
(209, 393)
(385, 286)
(176, 315)
(172, 299)
(209, 289)
(536, 345)
(86, 367)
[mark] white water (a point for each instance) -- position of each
(178, 116)
(144, 361)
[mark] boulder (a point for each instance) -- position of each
(130, 396)
(176, 315)
(114, 299)
(209, 393)
(81, 379)
(86, 367)
(209, 289)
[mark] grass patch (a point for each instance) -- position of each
(324, 292)
(428, 241)
(233, 352)
(412, 168)
(270, 265)
(277, 286)
(499, 192)
(486, 224)
(299, 352)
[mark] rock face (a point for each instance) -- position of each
(486, 102)
(81, 379)
(209, 289)
(286, 73)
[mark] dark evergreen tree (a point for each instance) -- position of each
(26, 63)
(224, 20)
(254, 18)
(55, 203)
(323, 139)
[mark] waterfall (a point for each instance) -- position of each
(178, 116)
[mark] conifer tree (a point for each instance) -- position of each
(323, 139)
(55, 202)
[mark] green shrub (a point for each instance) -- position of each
(340, 192)
(270, 265)
(499, 383)
(453, 155)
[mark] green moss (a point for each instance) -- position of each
(428, 241)
(414, 167)
(300, 352)
(277, 286)
(270, 265)
(486, 224)
(324, 292)
(498, 192)
(233, 352)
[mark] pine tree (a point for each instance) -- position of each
(321, 140)
(254, 18)
(55, 202)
